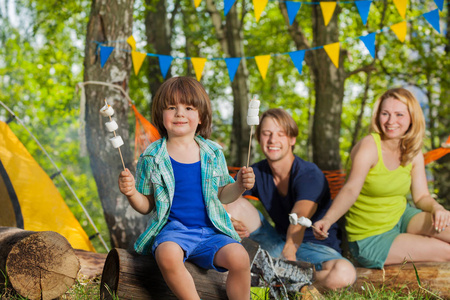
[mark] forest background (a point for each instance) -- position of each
(47, 47)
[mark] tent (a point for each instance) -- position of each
(28, 197)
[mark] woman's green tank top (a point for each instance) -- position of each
(382, 200)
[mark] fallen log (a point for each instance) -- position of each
(433, 276)
(37, 265)
(133, 276)
(91, 264)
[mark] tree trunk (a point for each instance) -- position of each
(434, 277)
(91, 264)
(231, 39)
(110, 21)
(38, 265)
(328, 86)
(329, 90)
(158, 33)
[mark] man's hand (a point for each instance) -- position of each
(289, 251)
(240, 228)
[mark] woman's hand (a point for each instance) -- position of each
(441, 218)
(320, 229)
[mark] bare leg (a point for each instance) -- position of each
(420, 243)
(245, 212)
(169, 257)
(335, 274)
(235, 258)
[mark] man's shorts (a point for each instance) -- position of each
(373, 251)
(273, 242)
(200, 245)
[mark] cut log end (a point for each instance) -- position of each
(41, 265)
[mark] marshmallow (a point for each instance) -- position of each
(254, 104)
(111, 126)
(304, 222)
(293, 219)
(107, 110)
(445, 145)
(252, 120)
(116, 141)
(253, 112)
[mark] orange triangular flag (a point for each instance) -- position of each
(132, 43)
(199, 64)
(259, 6)
(197, 3)
(138, 59)
(327, 11)
(400, 30)
(333, 52)
(262, 61)
(401, 7)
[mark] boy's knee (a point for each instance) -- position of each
(345, 273)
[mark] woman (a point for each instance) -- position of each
(382, 228)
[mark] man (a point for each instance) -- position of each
(286, 184)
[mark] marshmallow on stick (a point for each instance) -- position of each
(303, 221)
(252, 119)
(116, 141)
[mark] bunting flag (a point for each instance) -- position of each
(440, 4)
(232, 66)
(228, 4)
(401, 7)
(433, 18)
(105, 52)
(132, 42)
(199, 65)
(138, 59)
(333, 52)
(327, 11)
(400, 30)
(369, 42)
(292, 9)
(297, 58)
(197, 3)
(363, 9)
(262, 61)
(164, 64)
(259, 6)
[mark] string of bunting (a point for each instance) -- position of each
(327, 7)
(262, 61)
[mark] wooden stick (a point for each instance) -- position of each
(249, 145)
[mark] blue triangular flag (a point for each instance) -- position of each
(369, 42)
(105, 52)
(297, 58)
(232, 65)
(433, 18)
(440, 4)
(292, 9)
(164, 64)
(227, 5)
(363, 9)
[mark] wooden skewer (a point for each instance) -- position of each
(249, 145)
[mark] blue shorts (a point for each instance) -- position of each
(373, 251)
(200, 245)
(273, 242)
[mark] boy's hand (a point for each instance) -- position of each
(127, 183)
(246, 178)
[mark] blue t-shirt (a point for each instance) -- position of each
(188, 206)
(306, 182)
